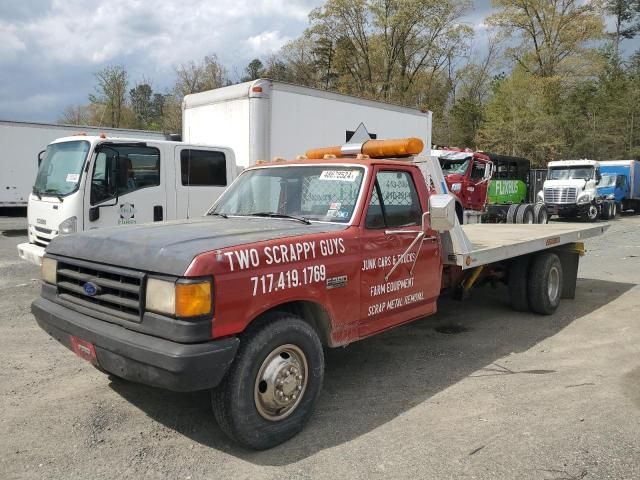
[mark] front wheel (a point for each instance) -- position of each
(271, 389)
(592, 213)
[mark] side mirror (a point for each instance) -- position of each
(488, 171)
(442, 213)
(94, 214)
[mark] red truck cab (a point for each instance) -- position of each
(467, 174)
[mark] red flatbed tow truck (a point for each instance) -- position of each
(293, 257)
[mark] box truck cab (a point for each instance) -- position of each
(620, 184)
(570, 189)
(86, 182)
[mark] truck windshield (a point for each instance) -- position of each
(321, 193)
(454, 166)
(59, 172)
(570, 173)
(607, 180)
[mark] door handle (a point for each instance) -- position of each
(157, 213)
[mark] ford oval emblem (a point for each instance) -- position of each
(91, 289)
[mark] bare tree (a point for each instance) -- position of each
(111, 93)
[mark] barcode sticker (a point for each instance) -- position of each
(340, 175)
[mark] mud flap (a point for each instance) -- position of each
(569, 256)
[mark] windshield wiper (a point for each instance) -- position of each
(53, 193)
(218, 214)
(281, 215)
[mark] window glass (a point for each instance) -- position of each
(316, 193)
(398, 206)
(124, 169)
(203, 168)
(477, 172)
(59, 173)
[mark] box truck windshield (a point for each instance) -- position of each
(570, 173)
(59, 172)
(608, 180)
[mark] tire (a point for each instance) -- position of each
(605, 211)
(592, 213)
(545, 283)
(540, 213)
(284, 349)
(525, 214)
(511, 213)
(517, 284)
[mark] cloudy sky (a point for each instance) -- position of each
(49, 49)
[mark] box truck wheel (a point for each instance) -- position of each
(605, 210)
(517, 283)
(271, 389)
(545, 283)
(525, 213)
(511, 213)
(540, 213)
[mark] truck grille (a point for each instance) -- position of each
(119, 294)
(557, 195)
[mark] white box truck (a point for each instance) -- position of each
(21, 142)
(86, 182)
(264, 118)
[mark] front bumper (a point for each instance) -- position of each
(568, 209)
(31, 253)
(139, 357)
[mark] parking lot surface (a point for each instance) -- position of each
(476, 391)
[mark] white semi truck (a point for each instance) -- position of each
(570, 189)
(262, 119)
(86, 182)
(22, 141)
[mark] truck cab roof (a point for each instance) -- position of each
(573, 163)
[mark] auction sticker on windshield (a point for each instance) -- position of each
(340, 175)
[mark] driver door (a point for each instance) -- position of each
(393, 221)
(476, 189)
(126, 187)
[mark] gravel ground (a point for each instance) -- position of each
(476, 391)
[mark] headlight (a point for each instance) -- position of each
(611, 196)
(183, 298)
(583, 198)
(540, 196)
(456, 187)
(70, 225)
(48, 270)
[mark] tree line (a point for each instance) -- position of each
(551, 83)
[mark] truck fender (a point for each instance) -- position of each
(311, 312)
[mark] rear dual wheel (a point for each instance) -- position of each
(535, 283)
(527, 213)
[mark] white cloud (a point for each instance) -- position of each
(10, 43)
(267, 42)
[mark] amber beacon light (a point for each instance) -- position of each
(402, 147)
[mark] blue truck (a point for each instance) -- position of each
(619, 185)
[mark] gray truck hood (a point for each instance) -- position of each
(170, 247)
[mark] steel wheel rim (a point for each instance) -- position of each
(553, 285)
(593, 212)
(281, 382)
